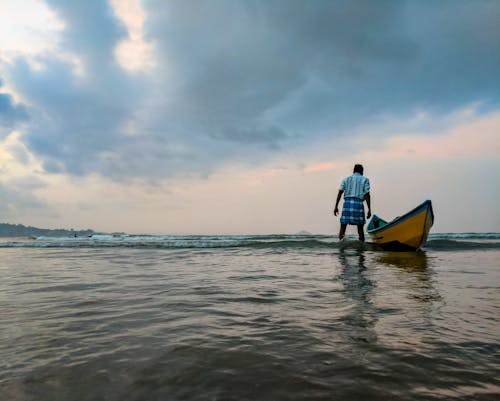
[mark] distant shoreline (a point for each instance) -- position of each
(20, 230)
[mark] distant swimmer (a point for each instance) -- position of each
(356, 189)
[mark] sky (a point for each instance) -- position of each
(242, 117)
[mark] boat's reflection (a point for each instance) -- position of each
(412, 268)
(408, 261)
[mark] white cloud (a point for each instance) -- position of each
(27, 27)
(133, 53)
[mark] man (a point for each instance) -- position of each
(356, 189)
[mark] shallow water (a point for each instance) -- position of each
(269, 322)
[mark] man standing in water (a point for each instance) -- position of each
(356, 189)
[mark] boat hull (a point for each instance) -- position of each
(406, 233)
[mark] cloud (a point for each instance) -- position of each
(74, 120)
(16, 199)
(91, 31)
(11, 114)
(28, 27)
(133, 53)
(324, 65)
(475, 140)
(236, 81)
(320, 167)
(270, 136)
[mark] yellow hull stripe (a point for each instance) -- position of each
(412, 231)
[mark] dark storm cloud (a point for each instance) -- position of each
(77, 120)
(92, 31)
(74, 121)
(245, 79)
(271, 136)
(11, 113)
(340, 62)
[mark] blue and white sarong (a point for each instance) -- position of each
(353, 212)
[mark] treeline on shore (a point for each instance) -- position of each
(19, 230)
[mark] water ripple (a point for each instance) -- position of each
(337, 324)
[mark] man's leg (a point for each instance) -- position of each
(361, 232)
(342, 231)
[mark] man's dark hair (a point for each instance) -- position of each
(358, 168)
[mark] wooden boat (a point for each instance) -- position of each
(404, 233)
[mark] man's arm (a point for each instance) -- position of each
(368, 203)
(339, 195)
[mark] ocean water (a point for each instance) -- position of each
(248, 318)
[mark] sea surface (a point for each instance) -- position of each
(280, 317)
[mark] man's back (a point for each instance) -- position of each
(355, 186)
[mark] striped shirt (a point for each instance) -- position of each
(355, 186)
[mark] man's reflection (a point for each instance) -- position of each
(358, 288)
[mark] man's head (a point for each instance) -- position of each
(358, 168)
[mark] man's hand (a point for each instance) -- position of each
(369, 214)
(336, 211)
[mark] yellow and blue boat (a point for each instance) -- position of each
(405, 233)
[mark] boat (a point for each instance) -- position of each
(405, 233)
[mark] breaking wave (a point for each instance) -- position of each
(451, 241)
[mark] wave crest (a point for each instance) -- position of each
(437, 242)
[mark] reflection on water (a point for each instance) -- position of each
(409, 261)
(358, 289)
(344, 323)
(412, 269)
